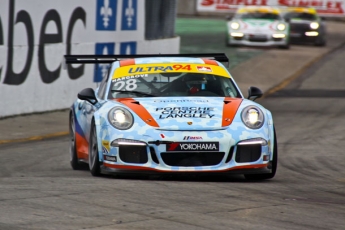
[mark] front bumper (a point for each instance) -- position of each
(241, 156)
(258, 39)
(305, 36)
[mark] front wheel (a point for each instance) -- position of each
(286, 46)
(94, 164)
(273, 163)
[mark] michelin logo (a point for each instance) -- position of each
(106, 15)
(129, 15)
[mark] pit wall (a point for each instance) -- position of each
(35, 34)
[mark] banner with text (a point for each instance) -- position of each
(35, 34)
(323, 7)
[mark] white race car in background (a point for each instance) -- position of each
(258, 26)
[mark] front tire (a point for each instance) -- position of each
(94, 165)
(73, 146)
(274, 164)
(320, 42)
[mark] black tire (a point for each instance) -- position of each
(94, 165)
(286, 47)
(73, 149)
(320, 42)
(274, 164)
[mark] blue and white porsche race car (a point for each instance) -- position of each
(170, 114)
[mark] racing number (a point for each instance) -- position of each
(178, 67)
(129, 85)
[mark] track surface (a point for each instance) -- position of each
(38, 189)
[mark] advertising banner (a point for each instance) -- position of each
(323, 7)
(35, 34)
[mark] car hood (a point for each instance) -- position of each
(185, 113)
(258, 23)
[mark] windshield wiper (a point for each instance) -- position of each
(136, 92)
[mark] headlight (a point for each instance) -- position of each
(252, 117)
(235, 25)
(281, 26)
(314, 25)
(120, 118)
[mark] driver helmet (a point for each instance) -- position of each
(196, 83)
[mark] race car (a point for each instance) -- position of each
(170, 114)
(305, 25)
(258, 26)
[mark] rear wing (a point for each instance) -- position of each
(95, 59)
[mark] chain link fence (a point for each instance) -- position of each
(160, 19)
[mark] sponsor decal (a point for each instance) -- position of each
(185, 112)
(204, 68)
(192, 138)
(168, 68)
(104, 150)
(105, 147)
(130, 77)
(110, 158)
(194, 146)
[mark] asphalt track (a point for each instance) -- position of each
(38, 189)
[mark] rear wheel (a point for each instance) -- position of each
(273, 163)
(94, 165)
(73, 147)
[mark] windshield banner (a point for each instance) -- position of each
(141, 70)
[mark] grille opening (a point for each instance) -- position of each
(248, 153)
(231, 152)
(237, 38)
(133, 154)
(192, 159)
(153, 155)
(277, 39)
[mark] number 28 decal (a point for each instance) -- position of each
(129, 85)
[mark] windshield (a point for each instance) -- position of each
(258, 15)
(304, 16)
(173, 85)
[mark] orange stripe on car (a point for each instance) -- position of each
(127, 62)
(139, 110)
(82, 147)
(210, 62)
(230, 108)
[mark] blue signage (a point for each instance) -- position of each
(106, 14)
(102, 68)
(128, 48)
(129, 15)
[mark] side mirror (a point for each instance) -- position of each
(287, 20)
(228, 17)
(254, 93)
(88, 94)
